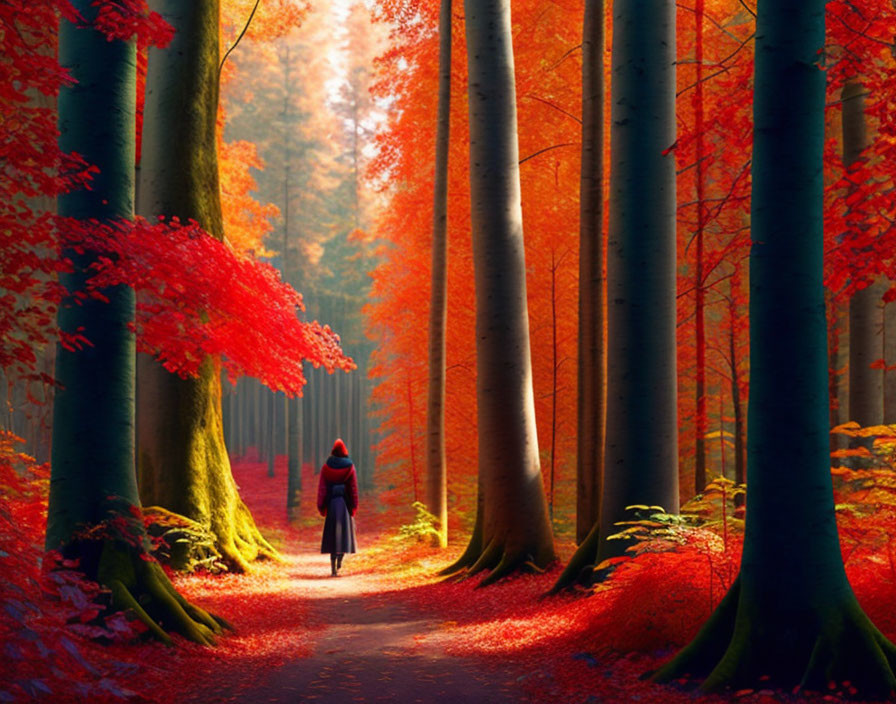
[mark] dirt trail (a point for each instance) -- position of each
(365, 649)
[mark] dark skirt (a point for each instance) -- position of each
(339, 528)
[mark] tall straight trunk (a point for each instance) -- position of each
(93, 410)
(272, 432)
(592, 351)
(436, 470)
(641, 467)
(592, 356)
(515, 526)
(890, 359)
(700, 291)
(866, 403)
(182, 461)
(93, 453)
(791, 618)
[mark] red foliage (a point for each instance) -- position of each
(132, 19)
(196, 297)
(47, 617)
(860, 210)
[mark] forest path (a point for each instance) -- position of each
(368, 647)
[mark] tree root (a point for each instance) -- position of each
(579, 571)
(470, 555)
(831, 645)
(141, 585)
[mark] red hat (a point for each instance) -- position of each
(339, 449)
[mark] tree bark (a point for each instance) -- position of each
(93, 455)
(890, 358)
(592, 351)
(436, 472)
(791, 619)
(515, 527)
(866, 402)
(642, 429)
(699, 290)
(182, 461)
(592, 358)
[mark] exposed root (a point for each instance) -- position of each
(579, 570)
(700, 656)
(531, 568)
(490, 557)
(830, 647)
(470, 555)
(505, 567)
(142, 586)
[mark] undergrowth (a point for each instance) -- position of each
(59, 645)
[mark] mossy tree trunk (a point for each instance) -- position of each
(641, 464)
(515, 530)
(791, 618)
(592, 359)
(93, 475)
(436, 471)
(182, 460)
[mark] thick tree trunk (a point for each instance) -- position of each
(791, 618)
(93, 453)
(182, 461)
(436, 471)
(592, 358)
(866, 402)
(641, 465)
(515, 527)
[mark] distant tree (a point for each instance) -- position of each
(515, 530)
(436, 470)
(790, 619)
(182, 461)
(866, 397)
(93, 485)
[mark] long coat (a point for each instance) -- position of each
(337, 499)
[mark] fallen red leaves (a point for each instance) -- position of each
(572, 648)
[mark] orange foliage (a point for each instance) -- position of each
(548, 75)
(246, 221)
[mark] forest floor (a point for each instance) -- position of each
(389, 629)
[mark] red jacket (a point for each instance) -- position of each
(338, 470)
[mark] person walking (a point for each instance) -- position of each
(337, 500)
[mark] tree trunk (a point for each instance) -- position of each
(835, 324)
(182, 461)
(93, 453)
(592, 352)
(890, 358)
(271, 431)
(592, 361)
(515, 527)
(436, 473)
(791, 618)
(642, 429)
(699, 290)
(866, 401)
